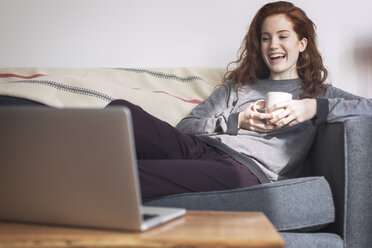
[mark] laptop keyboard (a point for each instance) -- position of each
(148, 216)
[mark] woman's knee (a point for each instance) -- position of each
(124, 103)
(118, 102)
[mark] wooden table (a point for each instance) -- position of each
(195, 229)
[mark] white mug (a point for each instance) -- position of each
(272, 98)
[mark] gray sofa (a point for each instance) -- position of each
(329, 206)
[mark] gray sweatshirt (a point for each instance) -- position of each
(273, 155)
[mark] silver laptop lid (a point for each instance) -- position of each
(69, 166)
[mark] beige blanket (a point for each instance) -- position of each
(168, 93)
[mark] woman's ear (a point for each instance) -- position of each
(303, 44)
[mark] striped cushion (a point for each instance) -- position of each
(168, 93)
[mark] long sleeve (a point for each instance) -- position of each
(342, 105)
(214, 115)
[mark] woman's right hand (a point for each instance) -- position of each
(251, 120)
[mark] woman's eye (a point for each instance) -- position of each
(283, 37)
(265, 39)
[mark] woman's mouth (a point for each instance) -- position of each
(276, 57)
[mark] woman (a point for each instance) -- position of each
(224, 143)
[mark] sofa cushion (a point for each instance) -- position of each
(312, 240)
(295, 204)
(168, 93)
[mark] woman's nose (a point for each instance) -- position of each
(274, 43)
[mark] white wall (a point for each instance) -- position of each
(163, 33)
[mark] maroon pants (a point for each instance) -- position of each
(172, 162)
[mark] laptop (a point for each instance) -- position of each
(74, 167)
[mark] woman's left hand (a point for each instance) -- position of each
(295, 112)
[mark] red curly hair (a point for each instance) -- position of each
(251, 66)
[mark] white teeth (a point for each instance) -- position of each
(276, 56)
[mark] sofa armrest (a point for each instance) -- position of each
(341, 153)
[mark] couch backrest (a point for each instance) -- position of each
(168, 93)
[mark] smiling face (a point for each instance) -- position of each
(280, 47)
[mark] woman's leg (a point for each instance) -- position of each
(172, 162)
(216, 171)
(156, 139)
